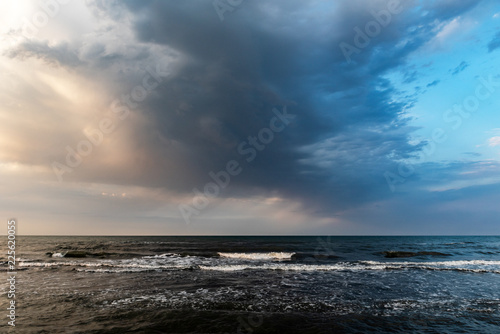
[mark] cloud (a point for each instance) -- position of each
(53, 55)
(410, 77)
(462, 66)
(228, 94)
(448, 29)
(494, 141)
(434, 83)
(472, 154)
(225, 80)
(494, 43)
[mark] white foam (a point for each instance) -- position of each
(477, 266)
(229, 262)
(258, 256)
(162, 256)
(160, 262)
(277, 266)
(58, 255)
(461, 263)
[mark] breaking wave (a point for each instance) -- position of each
(258, 261)
(476, 266)
(258, 256)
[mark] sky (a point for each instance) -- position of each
(238, 117)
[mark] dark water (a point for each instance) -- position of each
(256, 285)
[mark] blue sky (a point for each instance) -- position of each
(216, 117)
(449, 69)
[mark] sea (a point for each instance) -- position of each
(254, 284)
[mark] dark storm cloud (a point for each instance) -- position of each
(349, 128)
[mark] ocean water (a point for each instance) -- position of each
(255, 285)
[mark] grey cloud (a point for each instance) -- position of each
(61, 54)
(237, 71)
(349, 128)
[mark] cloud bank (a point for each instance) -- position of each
(210, 86)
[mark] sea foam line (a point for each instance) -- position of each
(258, 256)
(476, 266)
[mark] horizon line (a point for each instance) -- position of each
(255, 235)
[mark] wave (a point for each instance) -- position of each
(258, 256)
(162, 256)
(108, 267)
(247, 261)
(439, 263)
(474, 266)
